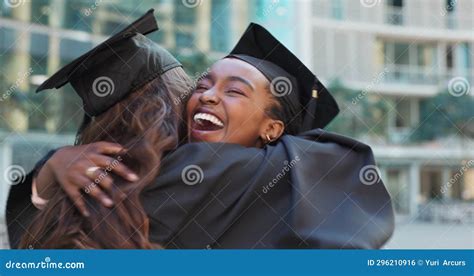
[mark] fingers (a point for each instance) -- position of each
(114, 165)
(94, 190)
(100, 177)
(106, 182)
(91, 189)
(78, 201)
(99, 195)
(108, 148)
(73, 178)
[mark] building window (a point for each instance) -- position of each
(430, 185)
(7, 41)
(260, 6)
(403, 114)
(409, 63)
(220, 26)
(39, 53)
(337, 9)
(183, 14)
(401, 53)
(465, 57)
(40, 12)
(455, 190)
(450, 57)
(396, 181)
(450, 14)
(402, 119)
(450, 4)
(184, 40)
(71, 49)
(77, 16)
(394, 12)
(458, 61)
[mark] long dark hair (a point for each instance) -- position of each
(146, 123)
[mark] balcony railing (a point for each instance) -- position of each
(409, 74)
(447, 212)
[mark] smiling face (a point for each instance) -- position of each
(231, 104)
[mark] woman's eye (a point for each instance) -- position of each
(201, 88)
(234, 91)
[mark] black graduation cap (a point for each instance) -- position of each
(306, 103)
(115, 68)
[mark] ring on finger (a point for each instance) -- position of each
(90, 172)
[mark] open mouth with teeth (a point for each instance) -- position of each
(206, 122)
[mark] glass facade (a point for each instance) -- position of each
(220, 34)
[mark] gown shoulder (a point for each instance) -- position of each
(301, 192)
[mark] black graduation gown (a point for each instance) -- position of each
(302, 192)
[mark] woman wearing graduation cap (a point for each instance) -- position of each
(260, 186)
(129, 84)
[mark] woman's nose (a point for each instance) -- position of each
(209, 97)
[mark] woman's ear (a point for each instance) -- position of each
(272, 130)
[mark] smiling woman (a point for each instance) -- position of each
(233, 103)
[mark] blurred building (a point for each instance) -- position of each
(401, 53)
